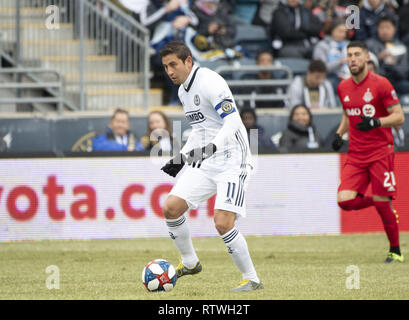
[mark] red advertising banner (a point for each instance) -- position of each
(368, 220)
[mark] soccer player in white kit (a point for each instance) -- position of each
(219, 161)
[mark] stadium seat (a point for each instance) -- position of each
(252, 38)
(298, 66)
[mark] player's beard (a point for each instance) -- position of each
(359, 71)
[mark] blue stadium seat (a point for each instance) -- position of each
(246, 9)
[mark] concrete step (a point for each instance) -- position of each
(69, 64)
(102, 87)
(36, 31)
(35, 49)
(103, 78)
(121, 98)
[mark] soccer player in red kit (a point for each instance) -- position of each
(370, 109)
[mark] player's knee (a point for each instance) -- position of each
(222, 227)
(171, 210)
(346, 199)
(223, 223)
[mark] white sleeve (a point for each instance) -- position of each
(188, 145)
(221, 98)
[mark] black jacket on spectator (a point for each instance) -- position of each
(368, 19)
(404, 24)
(264, 142)
(284, 25)
(299, 137)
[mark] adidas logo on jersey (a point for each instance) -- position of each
(346, 99)
(228, 201)
(391, 188)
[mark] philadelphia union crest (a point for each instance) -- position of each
(196, 100)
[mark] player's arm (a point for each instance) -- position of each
(337, 142)
(231, 123)
(395, 118)
(344, 125)
(391, 102)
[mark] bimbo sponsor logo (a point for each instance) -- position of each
(353, 111)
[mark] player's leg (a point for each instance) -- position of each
(190, 190)
(384, 189)
(354, 181)
(173, 210)
(238, 249)
(230, 203)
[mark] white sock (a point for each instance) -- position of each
(239, 252)
(180, 233)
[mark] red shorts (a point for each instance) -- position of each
(357, 176)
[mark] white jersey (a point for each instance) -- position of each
(213, 115)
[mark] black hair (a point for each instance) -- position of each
(358, 44)
(300, 106)
(386, 18)
(179, 48)
(317, 66)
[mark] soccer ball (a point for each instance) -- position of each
(159, 275)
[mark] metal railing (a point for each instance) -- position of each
(101, 52)
(24, 89)
(238, 78)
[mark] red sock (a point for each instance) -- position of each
(390, 224)
(360, 202)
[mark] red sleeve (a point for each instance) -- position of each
(389, 96)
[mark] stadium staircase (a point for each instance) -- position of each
(104, 66)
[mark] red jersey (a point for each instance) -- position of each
(371, 97)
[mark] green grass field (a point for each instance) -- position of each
(299, 267)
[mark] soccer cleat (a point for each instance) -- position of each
(248, 285)
(394, 257)
(181, 270)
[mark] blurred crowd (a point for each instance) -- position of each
(315, 31)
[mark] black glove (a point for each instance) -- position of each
(337, 142)
(173, 166)
(196, 156)
(368, 123)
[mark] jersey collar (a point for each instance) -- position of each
(189, 81)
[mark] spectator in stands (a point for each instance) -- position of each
(300, 133)
(263, 58)
(151, 12)
(392, 55)
(249, 118)
(214, 24)
(296, 27)
(3, 144)
(312, 90)
(264, 13)
(404, 24)
(329, 10)
(159, 133)
(332, 51)
(373, 63)
(118, 136)
(369, 15)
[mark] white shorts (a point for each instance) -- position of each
(195, 186)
